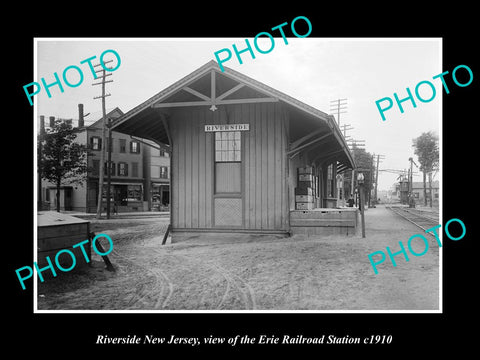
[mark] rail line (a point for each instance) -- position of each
(419, 218)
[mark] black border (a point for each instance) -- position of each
(413, 333)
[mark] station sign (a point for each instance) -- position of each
(227, 127)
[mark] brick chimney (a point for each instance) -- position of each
(52, 121)
(81, 121)
(42, 124)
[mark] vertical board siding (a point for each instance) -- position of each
(189, 176)
(201, 174)
(195, 183)
(263, 175)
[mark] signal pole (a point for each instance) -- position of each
(102, 153)
(354, 144)
(376, 177)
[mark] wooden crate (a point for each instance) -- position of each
(305, 170)
(305, 184)
(304, 198)
(304, 205)
(306, 177)
(324, 221)
(303, 191)
(57, 231)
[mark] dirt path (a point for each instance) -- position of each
(329, 273)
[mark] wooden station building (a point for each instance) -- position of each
(245, 158)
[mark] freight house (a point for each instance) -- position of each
(245, 158)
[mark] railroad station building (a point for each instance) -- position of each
(245, 158)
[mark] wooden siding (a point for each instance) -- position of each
(263, 172)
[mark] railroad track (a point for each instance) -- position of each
(419, 218)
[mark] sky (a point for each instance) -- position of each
(312, 70)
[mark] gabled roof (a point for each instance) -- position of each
(137, 121)
(113, 114)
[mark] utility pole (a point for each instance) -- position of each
(338, 105)
(376, 176)
(360, 180)
(102, 153)
(41, 136)
(345, 128)
(109, 165)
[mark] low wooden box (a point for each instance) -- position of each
(305, 184)
(304, 198)
(303, 191)
(305, 170)
(304, 205)
(57, 231)
(305, 177)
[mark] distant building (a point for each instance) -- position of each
(402, 190)
(159, 171)
(417, 190)
(139, 173)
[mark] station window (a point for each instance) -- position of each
(227, 146)
(330, 180)
(228, 162)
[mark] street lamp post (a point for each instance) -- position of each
(360, 179)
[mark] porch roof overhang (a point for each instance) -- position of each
(208, 86)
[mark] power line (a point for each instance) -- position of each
(339, 106)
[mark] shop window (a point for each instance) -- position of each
(134, 193)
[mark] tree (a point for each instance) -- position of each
(426, 149)
(62, 160)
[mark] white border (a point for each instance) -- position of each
(35, 177)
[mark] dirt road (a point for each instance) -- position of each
(328, 273)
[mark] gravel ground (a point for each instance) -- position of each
(298, 273)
